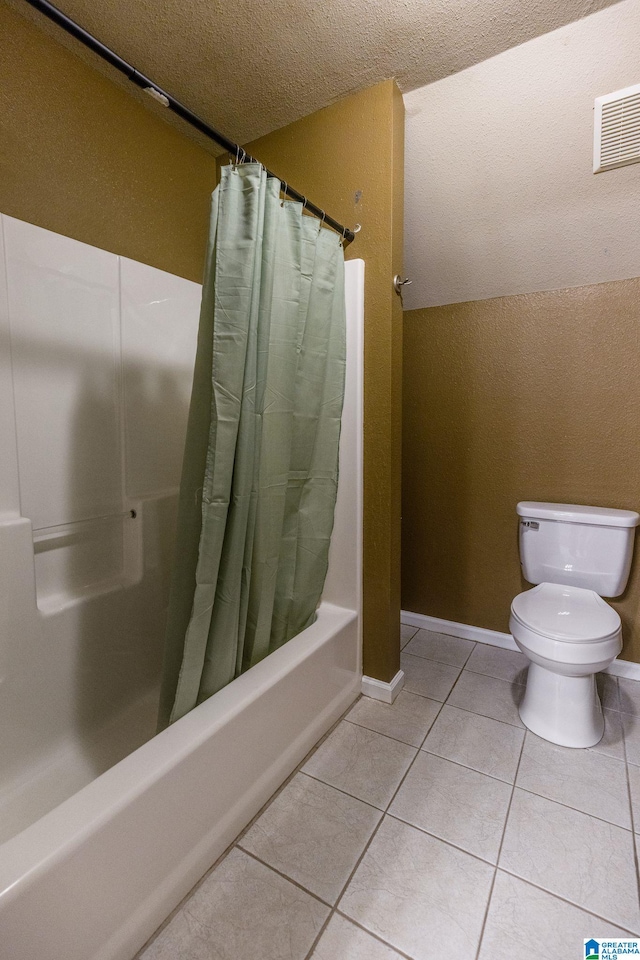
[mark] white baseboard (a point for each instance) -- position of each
(619, 668)
(378, 690)
(464, 630)
(624, 668)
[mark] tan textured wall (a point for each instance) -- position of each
(79, 155)
(530, 397)
(357, 145)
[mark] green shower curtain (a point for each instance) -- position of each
(260, 470)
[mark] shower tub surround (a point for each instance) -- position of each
(434, 827)
(96, 361)
(105, 826)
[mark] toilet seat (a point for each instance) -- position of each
(564, 613)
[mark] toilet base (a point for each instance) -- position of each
(563, 710)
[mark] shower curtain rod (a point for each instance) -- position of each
(236, 151)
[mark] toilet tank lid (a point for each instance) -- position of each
(573, 513)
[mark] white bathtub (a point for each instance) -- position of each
(94, 877)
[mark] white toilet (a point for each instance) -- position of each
(575, 555)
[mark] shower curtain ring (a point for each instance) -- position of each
(324, 217)
(284, 190)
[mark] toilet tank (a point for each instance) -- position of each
(588, 547)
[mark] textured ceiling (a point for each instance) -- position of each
(250, 67)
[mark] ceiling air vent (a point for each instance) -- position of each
(616, 133)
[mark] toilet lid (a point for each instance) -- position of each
(565, 613)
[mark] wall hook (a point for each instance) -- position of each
(399, 283)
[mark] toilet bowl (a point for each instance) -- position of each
(569, 634)
(575, 555)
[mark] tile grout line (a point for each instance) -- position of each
(492, 676)
(504, 832)
(570, 903)
(225, 853)
(386, 813)
(513, 788)
(403, 643)
(475, 714)
(477, 856)
(505, 723)
(345, 793)
(176, 910)
(510, 683)
(366, 848)
(630, 798)
(448, 843)
(466, 766)
(374, 936)
(299, 770)
(387, 808)
(405, 743)
(444, 663)
(464, 666)
(426, 696)
(387, 737)
(318, 936)
(472, 651)
(567, 806)
(478, 643)
(377, 733)
(452, 688)
(443, 841)
(285, 876)
(334, 909)
(342, 891)
(293, 774)
(617, 686)
(434, 836)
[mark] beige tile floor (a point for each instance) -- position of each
(435, 827)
